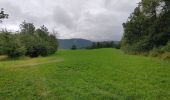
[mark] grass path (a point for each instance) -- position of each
(38, 63)
(103, 74)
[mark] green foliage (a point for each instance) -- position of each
(148, 27)
(11, 45)
(40, 42)
(4, 38)
(15, 47)
(27, 28)
(166, 48)
(105, 44)
(166, 56)
(30, 42)
(37, 50)
(74, 47)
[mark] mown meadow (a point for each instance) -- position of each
(101, 74)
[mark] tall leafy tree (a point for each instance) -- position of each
(27, 28)
(147, 27)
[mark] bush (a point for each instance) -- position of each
(40, 42)
(32, 52)
(155, 52)
(166, 48)
(11, 45)
(29, 42)
(73, 47)
(166, 56)
(37, 50)
(51, 50)
(14, 53)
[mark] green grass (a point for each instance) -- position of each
(103, 74)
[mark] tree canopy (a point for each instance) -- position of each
(148, 27)
(30, 41)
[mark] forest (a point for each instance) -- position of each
(147, 30)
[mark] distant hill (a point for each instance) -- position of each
(67, 43)
(80, 43)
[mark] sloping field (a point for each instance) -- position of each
(103, 74)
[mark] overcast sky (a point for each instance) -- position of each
(89, 19)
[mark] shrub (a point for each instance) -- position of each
(166, 56)
(40, 42)
(14, 52)
(155, 52)
(29, 42)
(11, 45)
(42, 50)
(37, 50)
(73, 47)
(166, 48)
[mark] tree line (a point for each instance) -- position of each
(147, 30)
(28, 42)
(104, 44)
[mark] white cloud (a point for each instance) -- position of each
(89, 19)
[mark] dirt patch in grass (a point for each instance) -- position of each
(39, 63)
(3, 57)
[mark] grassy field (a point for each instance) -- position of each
(103, 74)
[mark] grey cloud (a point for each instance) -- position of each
(89, 19)
(63, 17)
